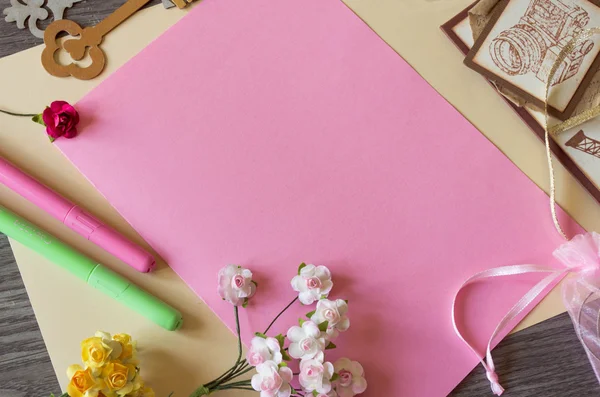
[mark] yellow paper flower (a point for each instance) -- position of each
(94, 353)
(83, 383)
(127, 347)
(118, 379)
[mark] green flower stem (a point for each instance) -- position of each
(237, 327)
(23, 115)
(279, 315)
(231, 373)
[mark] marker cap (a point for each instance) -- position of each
(136, 298)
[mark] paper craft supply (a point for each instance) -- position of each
(75, 217)
(88, 41)
(89, 271)
(305, 138)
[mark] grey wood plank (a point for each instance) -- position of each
(25, 367)
(85, 13)
(544, 360)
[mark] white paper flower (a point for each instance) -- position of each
(272, 381)
(306, 341)
(315, 375)
(351, 380)
(334, 312)
(235, 284)
(262, 350)
(313, 283)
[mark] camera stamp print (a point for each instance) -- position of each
(523, 40)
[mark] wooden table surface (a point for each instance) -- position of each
(544, 360)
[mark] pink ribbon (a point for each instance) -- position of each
(580, 256)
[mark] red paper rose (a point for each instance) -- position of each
(61, 119)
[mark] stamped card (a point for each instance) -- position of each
(578, 149)
(523, 40)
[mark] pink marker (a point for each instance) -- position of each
(75, 218)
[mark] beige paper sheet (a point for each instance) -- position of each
(69, 311)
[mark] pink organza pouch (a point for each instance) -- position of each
(581, 291)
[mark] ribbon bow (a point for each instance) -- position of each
(581, 257)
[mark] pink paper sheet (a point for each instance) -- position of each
(267, 133)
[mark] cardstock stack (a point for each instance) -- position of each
(273, 133)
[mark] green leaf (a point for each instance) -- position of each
(323, 296)
(323, 326)
(281, 339)
(302, 266)
(335, 377)
(38, 119)
(314, 393)
(301, 321)
(330, 346)
(294, 391)
(285, 356)
(261, 335)
(310, 314)
(245, 304)
(283, 364)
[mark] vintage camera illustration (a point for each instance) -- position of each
(533, 45)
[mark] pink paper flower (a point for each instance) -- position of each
(236, 285)
(315, 375)
(272, 381)
(306, 341)
(262, 350)
(351, 380)
(312, 283)
(334, 312)
(61, 119)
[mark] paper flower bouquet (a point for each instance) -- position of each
(111, 367)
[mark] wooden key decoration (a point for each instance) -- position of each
(88, 38)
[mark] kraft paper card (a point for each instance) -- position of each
(291, 132)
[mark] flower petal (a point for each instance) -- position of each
(57, 106)
(286, 374)
(311, 329)
(306, 298)
(344, 324)
(295, 351)
(256, 381)
(308, 271)
(72, 369)
(285, 391)
(296, 334)
(298, 284)
(356, 369)
(359, 385)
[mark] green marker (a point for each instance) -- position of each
(89, 271)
